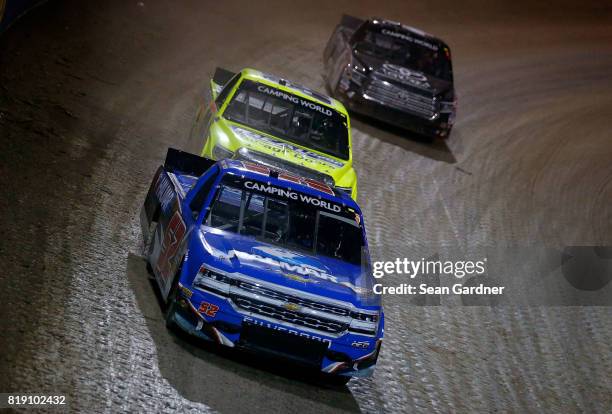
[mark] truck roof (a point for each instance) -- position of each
(283, 178)
(408, 29)
(188, 167)
(294, 88)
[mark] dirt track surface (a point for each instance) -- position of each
(91, 97)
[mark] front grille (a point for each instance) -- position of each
(285, 315)
(307, 303)
(394, 96)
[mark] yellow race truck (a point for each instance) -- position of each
(269, 120)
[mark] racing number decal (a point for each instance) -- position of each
(172, 239)
(208, 309)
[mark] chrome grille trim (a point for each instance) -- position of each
(274, 295)
(278, 313)
(388, 94)
(290, 291)
(284, 297)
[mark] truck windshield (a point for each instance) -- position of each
(405, 49)
(293, 118)
(284, 219)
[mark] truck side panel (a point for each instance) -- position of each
(150, 208)
(168, 241)
(337, 54)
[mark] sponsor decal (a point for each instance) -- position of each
(360, 344)
(164, 191)
(173, 235)
(208, 309)
(300, 271)
(287, 193)
(406, 76)
(301, 88)
(280, 147)
(295, 99)
(290, 331)
(408, 38)
(308, 156)
(303, 270)
(177, 184)
(278, 252)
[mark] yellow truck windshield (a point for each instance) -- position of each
(290, 117)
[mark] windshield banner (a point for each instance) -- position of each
(296, 100)
(287, 193)
(410, 39)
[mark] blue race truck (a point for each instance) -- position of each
(263, 260)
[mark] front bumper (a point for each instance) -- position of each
(357, 102)
(350, 355)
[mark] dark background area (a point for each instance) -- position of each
(92, 94)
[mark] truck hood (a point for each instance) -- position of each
(407, 78)
(318, 275)
(251, 139)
